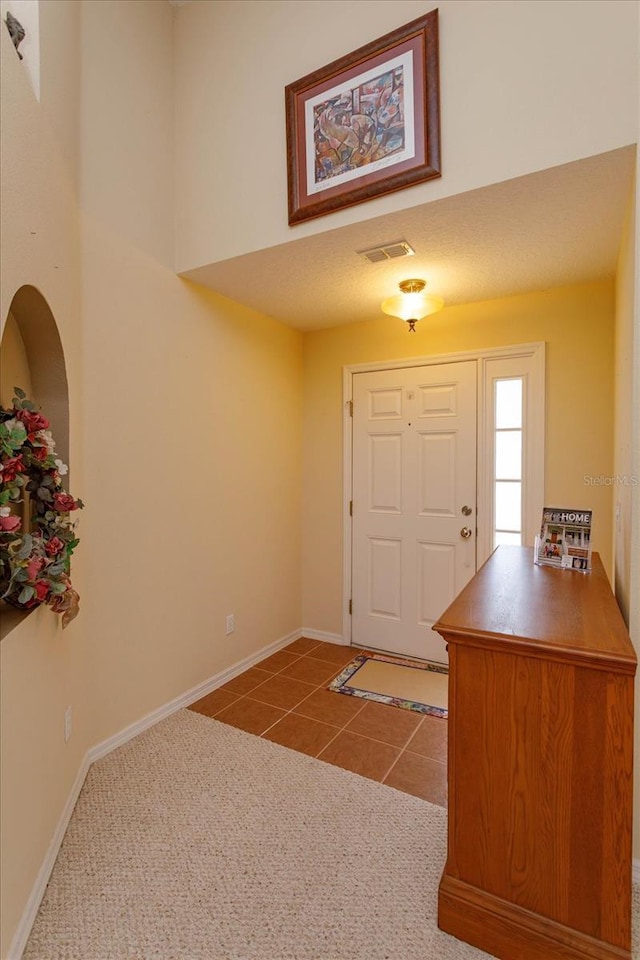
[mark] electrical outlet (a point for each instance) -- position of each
(67, 724)
(230, 624)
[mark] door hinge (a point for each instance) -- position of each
(350, 508)
(350, 607)
(350, 408)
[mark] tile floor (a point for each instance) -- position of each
(285, 699)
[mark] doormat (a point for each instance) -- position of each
(408, 684)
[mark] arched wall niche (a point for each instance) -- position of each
(31, 357)
(31, 348)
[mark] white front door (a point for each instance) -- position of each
(414, 503)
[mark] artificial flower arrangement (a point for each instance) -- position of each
(34, 564)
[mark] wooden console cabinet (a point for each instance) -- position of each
(540, 764)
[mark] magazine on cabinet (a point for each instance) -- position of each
(565, 539)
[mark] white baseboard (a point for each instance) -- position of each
(195, 693)
(21, 935)
(106, 746)
(635, 873)
(323, 635)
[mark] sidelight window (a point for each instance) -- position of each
(507, 461)
(511, 448)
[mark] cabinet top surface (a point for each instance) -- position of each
(561, 612)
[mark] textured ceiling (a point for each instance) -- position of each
(555, 227)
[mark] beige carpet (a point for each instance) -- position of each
(196, 841)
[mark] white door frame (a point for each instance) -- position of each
(534, 353)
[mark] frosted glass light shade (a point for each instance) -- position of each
(412, 306)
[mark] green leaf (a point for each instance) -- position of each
(44, 494)
(57, 587)
(27, 593)
(19, 393)
(26, 548)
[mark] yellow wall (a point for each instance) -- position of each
(14, 365)
(577, 325)
(194, 471)
(566, 62)
(193, 481)
(634, 572)
(185, 421)
(622, 489)
(42, 670)
(627, 451)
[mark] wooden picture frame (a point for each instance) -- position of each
(365, 125)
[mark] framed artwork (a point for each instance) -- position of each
(365, 125)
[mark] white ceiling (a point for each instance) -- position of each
(555, 227)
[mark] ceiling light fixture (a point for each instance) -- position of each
(412, 304)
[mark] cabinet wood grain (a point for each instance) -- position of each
(540, 763)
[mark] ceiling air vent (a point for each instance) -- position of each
(390, 251)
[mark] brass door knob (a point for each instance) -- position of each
(466, 532)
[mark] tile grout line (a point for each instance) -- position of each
(270, 673)
(343, 729)
(287, 712)
(314, 688)
(402, 750)
(421, 756)
(291, 709)
(338, 729)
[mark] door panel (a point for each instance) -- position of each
(385, 565)
(436, 579)
(438, 400)
(437, 477)
(414, 468)
(385, 473)
(385, 404)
